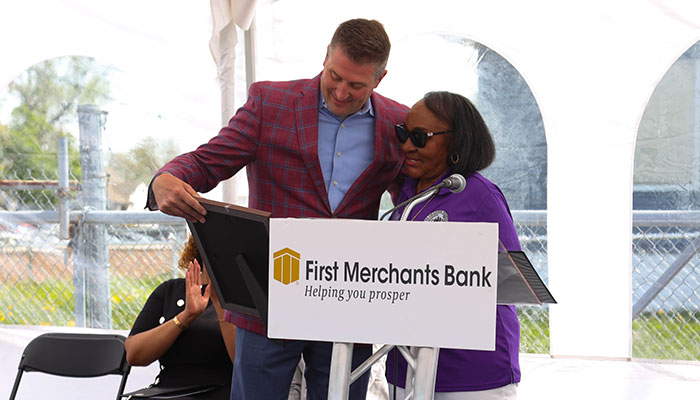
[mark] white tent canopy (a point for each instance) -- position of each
(591, 65)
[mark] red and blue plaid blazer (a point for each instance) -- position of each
(275, 134)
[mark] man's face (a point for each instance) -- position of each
(346, 86)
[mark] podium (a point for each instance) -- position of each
(298, 275)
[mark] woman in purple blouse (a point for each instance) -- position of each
(445, 134)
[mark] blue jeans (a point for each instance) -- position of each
(263, 369)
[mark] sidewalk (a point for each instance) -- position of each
(544, 377)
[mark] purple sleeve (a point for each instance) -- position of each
(494, 208)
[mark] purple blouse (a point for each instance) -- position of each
(469, 370)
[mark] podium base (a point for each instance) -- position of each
(420, 385)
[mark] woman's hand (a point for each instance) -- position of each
(195, 301)
(145, 347)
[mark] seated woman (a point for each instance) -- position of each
(182, 326)
(445, 134)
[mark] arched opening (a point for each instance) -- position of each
(431, 61)
(666, 237)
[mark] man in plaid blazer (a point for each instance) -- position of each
(314, 148)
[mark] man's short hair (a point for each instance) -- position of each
(363, 41)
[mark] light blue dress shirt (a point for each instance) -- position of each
(345, 148)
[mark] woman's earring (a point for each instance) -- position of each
(454, 158)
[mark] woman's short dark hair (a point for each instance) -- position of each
(471, 147)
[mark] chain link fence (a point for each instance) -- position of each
(665, 286)
(39, 282)
(38, 269)
(33, 190)
(534, 320)
(40, 279)
(141, 256)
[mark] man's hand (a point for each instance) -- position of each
(176, 197)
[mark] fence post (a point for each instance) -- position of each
(175, 247)
(63, 189)
(91, 262)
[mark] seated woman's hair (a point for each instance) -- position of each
(189, 253)
(471, 147)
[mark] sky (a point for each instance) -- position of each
(164, 82)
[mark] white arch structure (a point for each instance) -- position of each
(592, 66)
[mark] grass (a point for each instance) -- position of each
(534, 329)
(129, 296)
(667, 335)
(52, 303)
(670, 335)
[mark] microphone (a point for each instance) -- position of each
(455, 183)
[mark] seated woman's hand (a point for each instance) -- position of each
(195, 301)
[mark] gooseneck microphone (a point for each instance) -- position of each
(455, 183)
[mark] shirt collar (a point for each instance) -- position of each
(366, 108)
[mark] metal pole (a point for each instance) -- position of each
(79, 265)
(63, 230)
(93, 255)
(181, 238)
(249, 42)
(409, 354)
(341, 365)
(63, 189)
(425, 373)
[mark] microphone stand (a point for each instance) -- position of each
(422, 360)
(412, 202)
(455, 183)
(418, 199)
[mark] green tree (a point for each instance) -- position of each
(128, 170)
(48, 94)
(4, 133)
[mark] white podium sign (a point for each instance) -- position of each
(407, 283)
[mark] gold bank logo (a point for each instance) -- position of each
(286, 265)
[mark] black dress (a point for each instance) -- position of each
(198, 356)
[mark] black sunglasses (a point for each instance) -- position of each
(418, 138)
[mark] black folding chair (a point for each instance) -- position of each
(79, 355)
